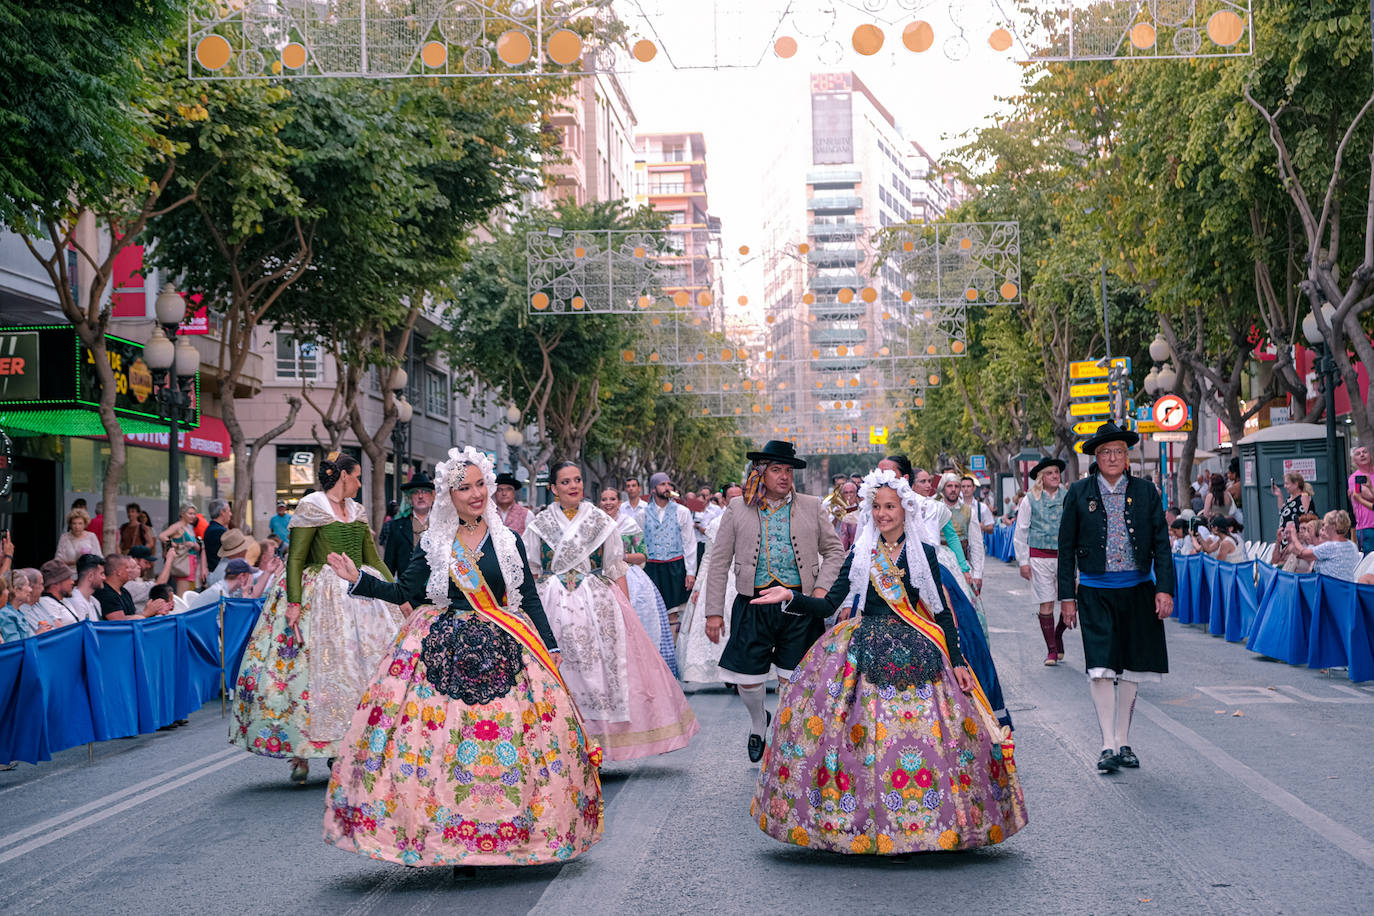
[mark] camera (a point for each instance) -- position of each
(1194, 524)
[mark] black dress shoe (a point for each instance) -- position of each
(1108, 762)
(1127, 758)
(757, 742)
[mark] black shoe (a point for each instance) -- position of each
(1108, 762)
(1127, 758)
(757, 742)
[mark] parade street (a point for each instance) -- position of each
(1251, 798)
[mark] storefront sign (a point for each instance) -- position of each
(18, 365)
(69, 379)
(210, 439)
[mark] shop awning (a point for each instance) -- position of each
(69, 421)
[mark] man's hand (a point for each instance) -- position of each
(1026, 573)
(343, 567)
(1164, 605)
(690, 582)
(1068, 612)
(715, 623)
(406, 609)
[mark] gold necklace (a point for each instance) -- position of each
(892, 551)
(470, 528)
(570, 513)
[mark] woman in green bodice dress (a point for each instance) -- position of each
(315, 647)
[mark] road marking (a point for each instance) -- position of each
(235, 756)
(1333, 831)
(1351, 695)
(1231, 694)
(51, 822)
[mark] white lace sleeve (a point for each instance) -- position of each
(532, 552)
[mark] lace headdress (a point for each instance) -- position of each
(866, 541)
(443, 528)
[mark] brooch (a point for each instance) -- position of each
(1092, 505)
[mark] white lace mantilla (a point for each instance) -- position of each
(866, 540)
(443, 529)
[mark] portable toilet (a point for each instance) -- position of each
(1270, 453)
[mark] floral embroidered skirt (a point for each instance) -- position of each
(878, 751)
(464, 750)
(284, 707)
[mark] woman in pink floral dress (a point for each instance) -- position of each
(884, 742)
(467, 748)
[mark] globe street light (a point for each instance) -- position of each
(400, 433)
(174, 368)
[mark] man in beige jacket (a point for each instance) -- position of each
(771, 536)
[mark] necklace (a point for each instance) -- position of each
(470, 528)
(570, 513)
(892, 551)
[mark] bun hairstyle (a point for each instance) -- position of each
(333, 467)
(903, 465)
(560, 465)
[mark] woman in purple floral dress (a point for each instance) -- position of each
(466, 748)
(884, 742)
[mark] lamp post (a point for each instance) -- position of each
(513, 436)
(1160, 381)
(174, 369)
(1328, 377)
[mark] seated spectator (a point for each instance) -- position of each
(270, 566)
(1309, 532)
(28, 586)
(58, 582)
(1180, 542)
(14, 626)
(141, 584)
(160, 601)
(238, 582)
(1335, 555)
(116, 603)
(76, 541)
(233, 545)
(1224, 545)
(90, 576)
(1170, 514)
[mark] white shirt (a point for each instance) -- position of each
(684, 523)
(55, 612)
(84, 608)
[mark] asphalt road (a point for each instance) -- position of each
(1253, 797)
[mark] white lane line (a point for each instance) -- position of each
(237, 757)
(51, 822)
(1333, 831)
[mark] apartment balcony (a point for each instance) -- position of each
(838, 311)
(821, 231)
(849, 364)
(847, 256)
(843, 177)
(834, 282)
(835, 203)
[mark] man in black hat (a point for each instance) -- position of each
(1116, 575)
(404, 531)
(771, 536)
(1036, 542)
(515, 515)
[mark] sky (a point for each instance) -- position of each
(934, 98)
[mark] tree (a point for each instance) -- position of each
(82, 149)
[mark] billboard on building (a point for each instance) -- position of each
(832, 119)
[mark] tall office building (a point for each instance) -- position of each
(670, 176)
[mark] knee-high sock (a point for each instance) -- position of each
(1059, 629)
(1125, 708)
(753, 698)
(1047, 631)
(1104, 700)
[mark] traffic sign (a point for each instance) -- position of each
(978, 463)
(1090, 369)
(1087, 429)
(1150, 427)
(1170, 413)
(1089, 390)
(1170, 437)
(1104, 409)
(877, 435)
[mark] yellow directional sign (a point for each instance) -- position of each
(1090, 369)
(1089, 390)
(1087, 429)
(1091, 409)
(1150, 427)
(877, 435)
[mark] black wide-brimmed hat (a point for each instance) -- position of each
(1048, 463)
(508, 480)
(778, 452)
(419, 481)
(1109, 432)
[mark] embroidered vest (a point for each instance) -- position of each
(777, 560)
(961, 515)
(662, 535)
(1046, 511)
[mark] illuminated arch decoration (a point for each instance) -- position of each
(253, 39)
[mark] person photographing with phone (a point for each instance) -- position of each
(1361, 488)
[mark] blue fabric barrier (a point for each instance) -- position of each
(1000, 543)
(1187, 576)
(1236, 599)
(1284, 622)
(974, 646)
(96, 681)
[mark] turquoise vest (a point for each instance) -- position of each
(662, 538)
(1046, 511)
(777, 561)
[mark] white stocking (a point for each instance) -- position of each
(1104, 700)
(753, 698)
(1125, 708)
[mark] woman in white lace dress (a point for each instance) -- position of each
(697, 655)
(630, 701)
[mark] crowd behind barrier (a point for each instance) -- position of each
(999, 543)
(114, 679)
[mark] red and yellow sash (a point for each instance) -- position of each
(887, 582)
(473, 584)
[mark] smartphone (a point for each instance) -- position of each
(1272, 485)
(1361, 479)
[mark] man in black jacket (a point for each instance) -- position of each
(1116, 575)
(403, 531)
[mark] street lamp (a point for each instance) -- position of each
(400, 433)
(513, 436)
(1325, 366)
(174, 368)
